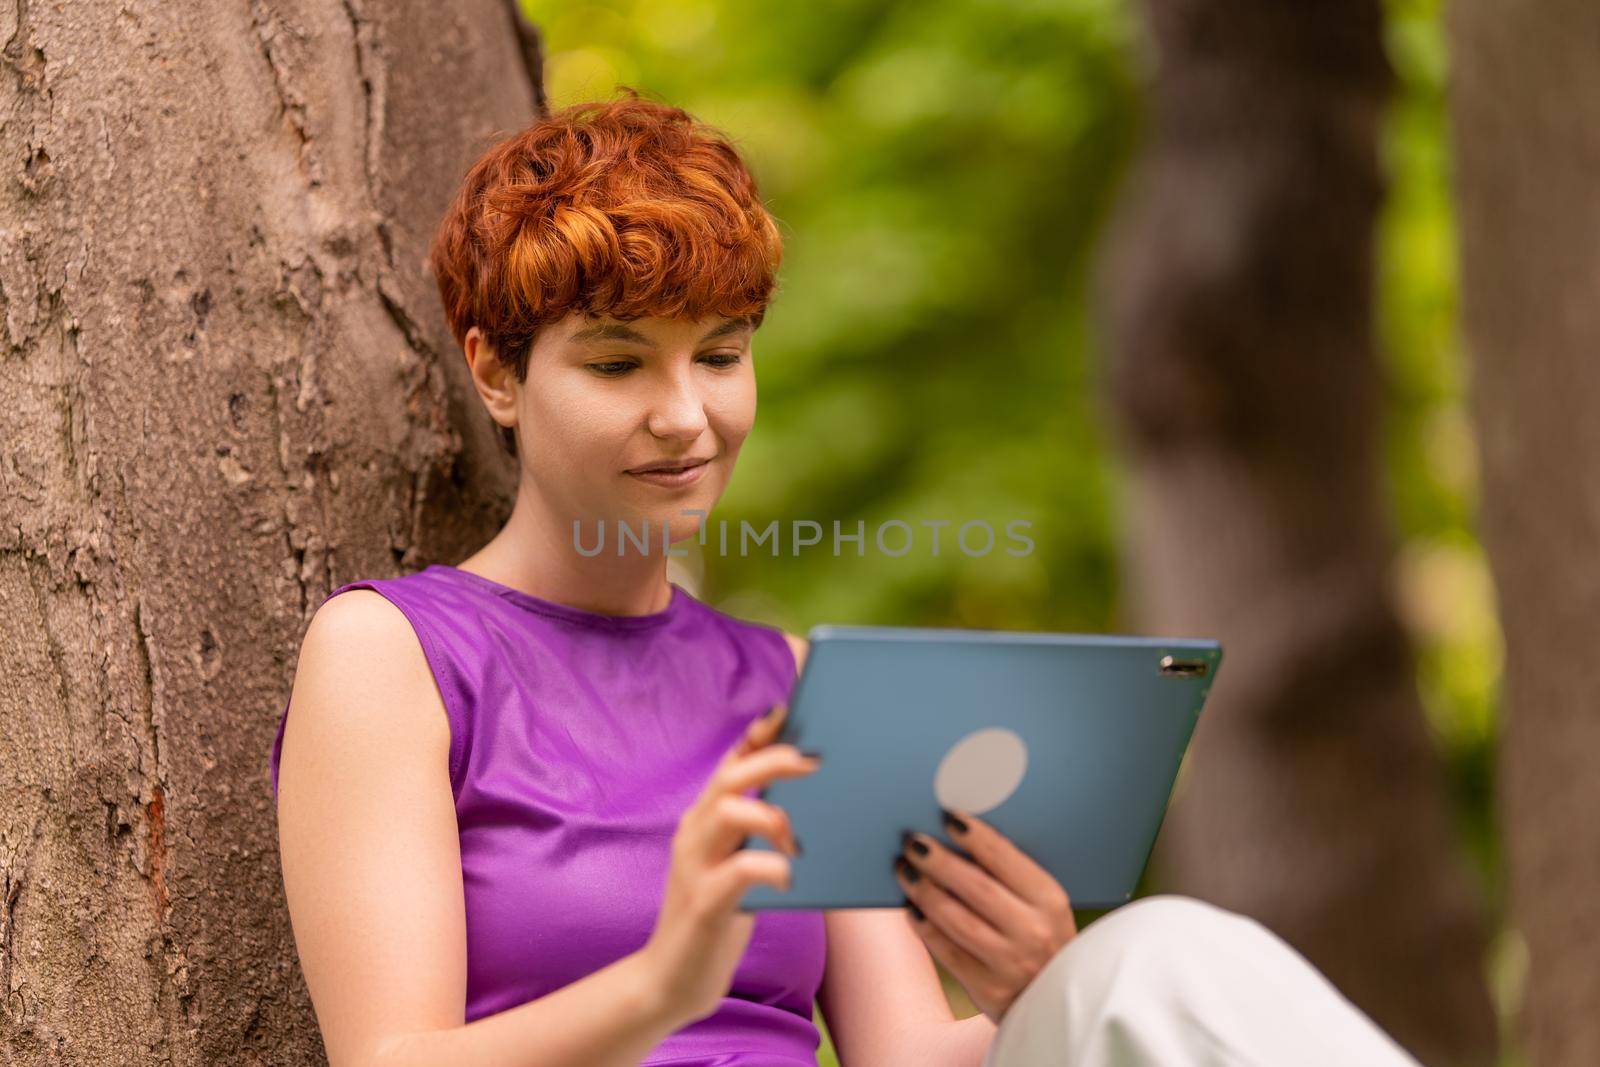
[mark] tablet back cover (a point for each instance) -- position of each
(1068, 744)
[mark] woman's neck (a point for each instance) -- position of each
(534, 554)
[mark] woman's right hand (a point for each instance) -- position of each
(701, 935)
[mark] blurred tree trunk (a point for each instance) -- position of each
(226, 387)
(1525, 101)
(1239, 294)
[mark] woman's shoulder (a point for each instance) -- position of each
(399, 607)
(362, 677)
(361, 632)
(356, 613)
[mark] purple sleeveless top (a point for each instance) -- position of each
(577, 740)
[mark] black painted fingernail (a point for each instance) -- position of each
(905, 868)
(811, 753)
(907, 841)
(916, 912)
(955, 824)
(798, 851)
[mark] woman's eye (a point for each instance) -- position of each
(617, 367)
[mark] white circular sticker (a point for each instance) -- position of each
(981, 770)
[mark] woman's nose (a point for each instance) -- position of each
(678, 411)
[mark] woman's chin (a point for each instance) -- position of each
(681, 527)
(682, 519)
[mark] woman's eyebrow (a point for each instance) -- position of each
(731, 326)
(611, 331)
(620, 331)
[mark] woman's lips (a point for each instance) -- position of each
(672, 479)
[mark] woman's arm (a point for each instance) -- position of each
(372, 873)
(610, 1018)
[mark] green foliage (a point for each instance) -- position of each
(1444, 584)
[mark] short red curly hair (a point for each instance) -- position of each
(625, 208)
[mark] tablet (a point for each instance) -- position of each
(1068, 744)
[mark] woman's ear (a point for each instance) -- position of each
(494, 380)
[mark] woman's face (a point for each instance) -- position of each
(604, 398)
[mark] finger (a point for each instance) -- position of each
(759, 767)
(761, 731)
(979, 890)
(758, 734)
(729, 879)
(953, 917)
(1008, 864)
(734, 817)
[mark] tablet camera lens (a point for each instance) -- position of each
(1173, 667)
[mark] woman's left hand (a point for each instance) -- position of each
(993, 920)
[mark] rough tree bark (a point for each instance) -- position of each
(1238, 290)
(1525, 103)
(225, 386)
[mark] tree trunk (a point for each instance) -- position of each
(226, 387)
(1525, 102)
(1238, 287)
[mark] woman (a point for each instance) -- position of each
(512, 794)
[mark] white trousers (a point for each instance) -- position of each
(1174, 981)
